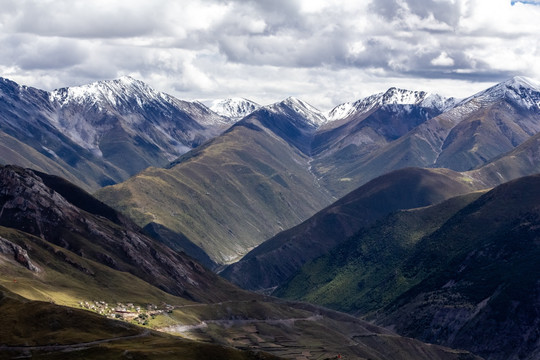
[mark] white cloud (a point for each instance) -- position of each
(442, 60)
(319, 50)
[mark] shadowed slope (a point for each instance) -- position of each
(271, 263)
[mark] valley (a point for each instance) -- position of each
(398, 226)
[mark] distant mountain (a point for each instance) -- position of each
(234, 108)
(472, 133)
(274, 261)
(463, 273)
(392, 96)
(132, 126)
(358, 129)
(104, 132)
(497, 120)
(235, 191)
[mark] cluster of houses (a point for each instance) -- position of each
(126, 312)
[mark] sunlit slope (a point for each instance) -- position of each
(234, 192)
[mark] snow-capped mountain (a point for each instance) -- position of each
(97, 115)
(105, 131)
(234, 108)
(392, 96)
(313, 116)
(522, 91)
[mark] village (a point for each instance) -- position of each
(139, 314)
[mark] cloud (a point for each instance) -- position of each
(442, 60)
(270, 49)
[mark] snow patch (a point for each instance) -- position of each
(234, 108)
(392, 96)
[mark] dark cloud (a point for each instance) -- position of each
(30, 53)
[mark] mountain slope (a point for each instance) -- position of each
(130, 125)
(280, 257)
(474, 132)
(475, 266)
(98, 233)
(359, 275)
(522, 161)
(26, 113)
(104, 132)
(463, 274)
(234, 192)
(43, 330)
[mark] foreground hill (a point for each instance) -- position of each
(237, 190)
(60, 245)
(42, 330)
(463, 273)
(77, 222)
(280, 257)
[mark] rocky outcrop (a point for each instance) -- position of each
(19, 254)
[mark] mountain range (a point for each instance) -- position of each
(102, 133)
(396, 208)
(301, 161)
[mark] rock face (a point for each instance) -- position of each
(31, 206)
(19, 254)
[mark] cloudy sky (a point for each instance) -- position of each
(325, 52)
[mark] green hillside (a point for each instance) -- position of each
(229, 195)
(465, 276)
(273, 262)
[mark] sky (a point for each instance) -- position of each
(323, 52)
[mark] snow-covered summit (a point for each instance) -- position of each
(392, 96)
(234, 108)
(314, 116)
(519, 89)
(107, 92)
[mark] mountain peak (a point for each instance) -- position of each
(110, 92)
(520, 90)
(234, 108)
(314, 116)
(392, 96)
(523, 81)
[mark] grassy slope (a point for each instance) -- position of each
(283, 329)
(359, 275)
(227, 196)
(68, 278)
(478, 277)
(42, 329)
(280, 257)
(462, 276)
(522, 161)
